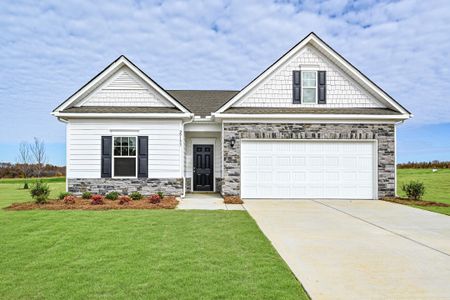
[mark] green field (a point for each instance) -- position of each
(130, 254)
(437, 185)
(21, 180)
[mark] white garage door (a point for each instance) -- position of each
(308, 169)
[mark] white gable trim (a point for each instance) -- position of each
(319, 44)
(111, 69)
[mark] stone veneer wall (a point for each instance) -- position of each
(384, 133)
(146, 186)
(219, 182)
(188, 185)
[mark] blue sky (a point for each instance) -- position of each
(48, 49)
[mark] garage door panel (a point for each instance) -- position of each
(265, 177)
(315, 176)
(299, 176)
(331, 161)
(298, 161)
(307, 169)
(331, 176)
(365, 162)
(315, 161)
(283, 161)
(250, 161)
(283, 178)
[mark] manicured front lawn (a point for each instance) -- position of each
(136, 254)
(437, 186)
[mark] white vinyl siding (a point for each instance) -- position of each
(84, 145)
(308, 169)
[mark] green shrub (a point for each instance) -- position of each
(40, 191)
(161, 195)
(414, 190)
(86, 195)
(25, 186)
(136, 196)
(112, 196)
(63, 194)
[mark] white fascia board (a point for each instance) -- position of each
(122, 61)
(312, 116)
(123, 115)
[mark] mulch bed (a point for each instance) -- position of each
(232, 200)
(416, 202)
(168, 202)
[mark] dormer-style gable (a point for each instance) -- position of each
(311, 76)
(121, 88)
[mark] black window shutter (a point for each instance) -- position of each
(322, 87)
(143, 156)
(296, 87)
(106, 156)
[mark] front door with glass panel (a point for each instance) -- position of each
(203, 167)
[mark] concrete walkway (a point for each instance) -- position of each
(342, 249)
(208, 201)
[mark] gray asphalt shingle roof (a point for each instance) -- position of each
(202, 103)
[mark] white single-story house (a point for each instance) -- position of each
(310, 126)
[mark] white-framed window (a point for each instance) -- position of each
(309, 87)
(124, 162)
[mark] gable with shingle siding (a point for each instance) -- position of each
(276, 90)
(124, 89)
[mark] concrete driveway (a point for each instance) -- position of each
(342, 249)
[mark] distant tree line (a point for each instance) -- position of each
(9, 170)
(31, 162)
(435, 164)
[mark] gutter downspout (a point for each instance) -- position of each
(182, 154)
(67, 145)
(395, 155)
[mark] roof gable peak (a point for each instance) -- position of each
(318, 44)
(121, 62)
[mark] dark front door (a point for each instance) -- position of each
(203, 167)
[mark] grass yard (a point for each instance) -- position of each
(437, 186)
(136, 254)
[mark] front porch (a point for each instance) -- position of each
(206, 201)
(203, 157)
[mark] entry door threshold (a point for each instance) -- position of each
(202, 192)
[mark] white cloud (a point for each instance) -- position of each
(49, 49)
